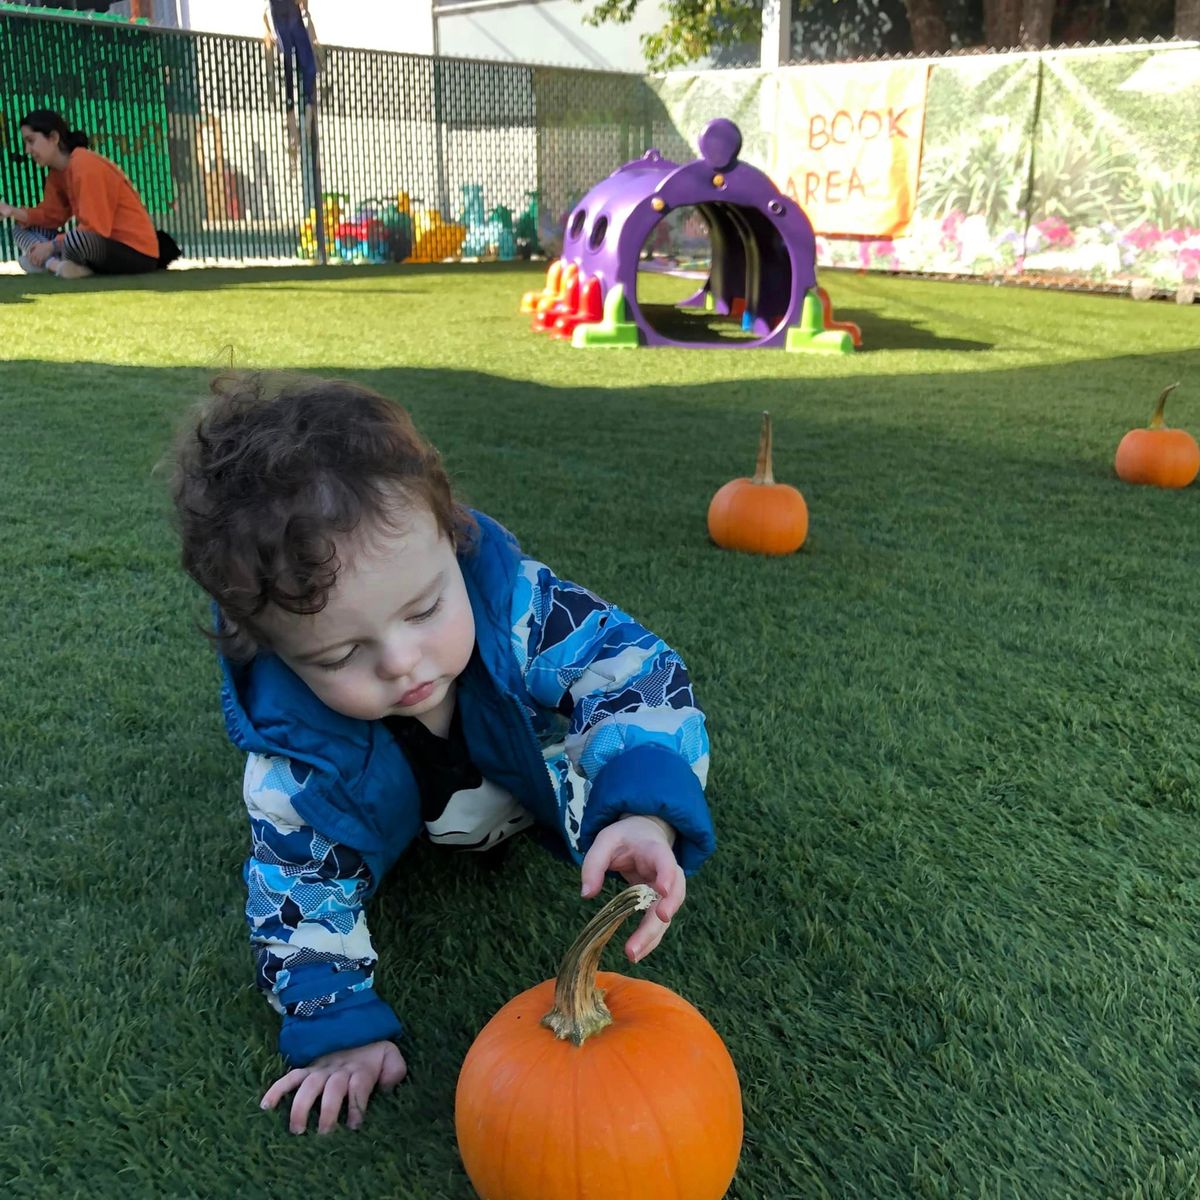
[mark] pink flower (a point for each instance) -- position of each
(1143, 236)
(951, 222)
(1056, 231)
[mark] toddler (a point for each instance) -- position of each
(395, 666)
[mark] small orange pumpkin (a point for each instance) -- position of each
(622, 1092)
(1163, 457)
(759, 515)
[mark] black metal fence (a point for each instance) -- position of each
(408, 156)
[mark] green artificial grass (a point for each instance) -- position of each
(950, 934)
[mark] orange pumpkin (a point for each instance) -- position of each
(759, 515)
(618, 1092)
(1157, 455)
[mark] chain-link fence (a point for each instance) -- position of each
(408, 157)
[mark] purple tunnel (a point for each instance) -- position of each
(763, 250)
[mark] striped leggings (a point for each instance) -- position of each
(104, 255)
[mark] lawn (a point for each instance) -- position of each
(952, 929)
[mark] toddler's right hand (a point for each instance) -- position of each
(345, 1076)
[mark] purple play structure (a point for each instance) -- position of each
(763, 250)
(763, 256)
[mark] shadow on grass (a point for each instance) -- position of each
(700, 328)
(878, 332)
(887, 333)
(950, 435)
(660, 295)
(945, 757)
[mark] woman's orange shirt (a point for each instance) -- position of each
(98, 194)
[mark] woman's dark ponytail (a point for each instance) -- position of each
(46, 121)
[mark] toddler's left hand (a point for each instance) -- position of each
(639, 848)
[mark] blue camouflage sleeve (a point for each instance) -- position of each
(313, 952)
(635, 740)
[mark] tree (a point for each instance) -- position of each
(1025, 23)
(695, 28)
(1187, 19)
(927, 22)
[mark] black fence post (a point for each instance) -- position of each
(314, 155)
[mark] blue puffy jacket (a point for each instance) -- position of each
(568, 704)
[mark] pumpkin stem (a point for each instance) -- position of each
(762, 471)
(1157, 421)
(579, 1010)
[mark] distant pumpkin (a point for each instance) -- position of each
(1157, 455)
(758, 515)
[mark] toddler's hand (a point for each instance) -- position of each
(348, 1076)
(639, 848)
(6, 209)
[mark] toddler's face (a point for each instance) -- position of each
(398, 628)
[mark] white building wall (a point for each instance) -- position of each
(239, 17)
(544, 31)
(401, 25)
(527, 31)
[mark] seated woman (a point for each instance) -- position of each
(113, 233)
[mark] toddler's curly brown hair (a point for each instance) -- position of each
(273, 470)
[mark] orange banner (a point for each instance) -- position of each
(849, 146)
